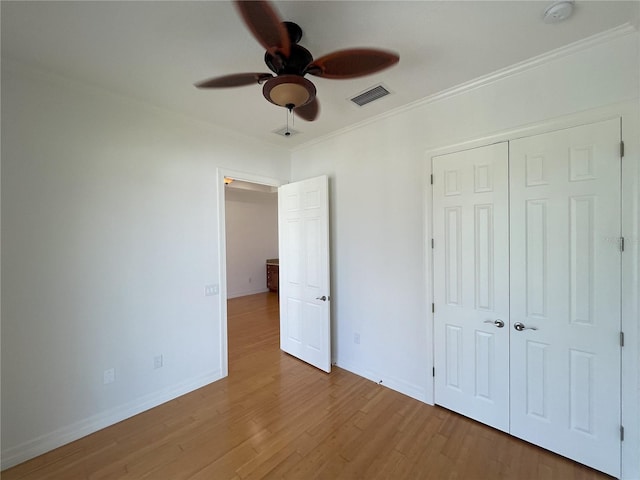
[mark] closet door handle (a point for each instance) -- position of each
(519, 326)
(498, 323)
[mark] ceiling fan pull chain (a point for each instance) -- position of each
(289, 109)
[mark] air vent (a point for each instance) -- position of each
(286, 132)
(370, 95)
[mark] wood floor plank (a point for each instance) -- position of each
(275, 417)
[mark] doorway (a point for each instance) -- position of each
(251, 221)
(247, 216)
(303, 227)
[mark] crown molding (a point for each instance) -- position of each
(12, 64)
(515, 69)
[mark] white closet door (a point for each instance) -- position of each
(565, 292)
(471, 283)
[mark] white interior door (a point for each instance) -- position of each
(565, 292)
(303, 229)
(471, 283)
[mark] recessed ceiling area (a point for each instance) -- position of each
(155, 52)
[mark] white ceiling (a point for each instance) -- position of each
(156, 51)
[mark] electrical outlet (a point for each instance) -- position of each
(211, 290)
(157, 361)
(109, 376)
(356, 338)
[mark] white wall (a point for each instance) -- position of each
(109, 234)
(252, 237)
(380, 201)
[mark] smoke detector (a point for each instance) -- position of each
(558, 11)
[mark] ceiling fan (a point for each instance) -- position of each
(291, 62)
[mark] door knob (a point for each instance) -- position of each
(498, 323)
(520, 327)
(323, 298)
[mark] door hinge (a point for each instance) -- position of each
(432, 179)
(621, 433)
(432, 243)
(433, 308)
(622, 244)
(621, 149)
(433, 371)
(622, 339)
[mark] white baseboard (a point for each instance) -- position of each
(245, 293)
(47, 442)
(406, 388)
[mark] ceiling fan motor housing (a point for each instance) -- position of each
(295, 64)
(298, 59)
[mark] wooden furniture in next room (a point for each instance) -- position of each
(273, 274)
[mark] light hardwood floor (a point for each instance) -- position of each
(276, 417)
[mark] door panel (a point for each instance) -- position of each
(565, 283)
(471, 280)
(303, 229)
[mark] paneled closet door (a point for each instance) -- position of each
(566, 293)
(471, 283)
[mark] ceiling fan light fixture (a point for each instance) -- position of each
(289, 91)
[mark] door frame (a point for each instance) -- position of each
(629, 113)
(222, 251)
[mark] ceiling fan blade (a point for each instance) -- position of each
(234, 80)
(351, 63)
(308, 112)
(265, 25)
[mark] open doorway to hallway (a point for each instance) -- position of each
(251, 237)
(251, 220)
